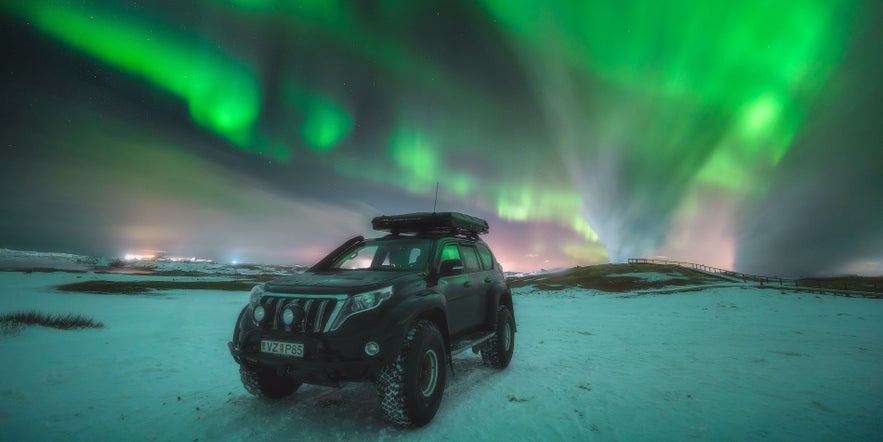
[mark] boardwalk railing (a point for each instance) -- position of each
(833, 285)
(708, 269)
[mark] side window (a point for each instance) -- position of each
(450, 251)
(487, 260)
(470, 259)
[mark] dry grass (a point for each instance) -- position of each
(854, 283)
(601, 277)
(12, 323)
(147, 287)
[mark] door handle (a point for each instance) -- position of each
(487, 280)
(467, 284)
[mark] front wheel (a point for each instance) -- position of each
(497, 351)
(411, 388)
(265, 382)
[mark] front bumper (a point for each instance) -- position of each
(327, 359)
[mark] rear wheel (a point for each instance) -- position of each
(497, 351)
(265, 382)
(410, 389)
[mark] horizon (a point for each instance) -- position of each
(134, 257)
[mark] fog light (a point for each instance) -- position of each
(259, 313)
(372, 348)
(287, 316)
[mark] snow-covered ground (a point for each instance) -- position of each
(720, 364)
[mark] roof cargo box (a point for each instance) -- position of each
(425, 222)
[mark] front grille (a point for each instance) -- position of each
(315, 314)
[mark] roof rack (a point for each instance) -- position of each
(424, 222)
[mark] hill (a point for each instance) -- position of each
(659, 278)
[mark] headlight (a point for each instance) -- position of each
(259, 314)
(361, 302)
(288, 316)
(256, 293)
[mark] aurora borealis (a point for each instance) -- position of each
(742, 136)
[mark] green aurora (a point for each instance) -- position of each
(612, 119)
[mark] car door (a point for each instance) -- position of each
(455, 288)
(477, 285)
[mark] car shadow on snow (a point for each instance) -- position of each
(349, 412)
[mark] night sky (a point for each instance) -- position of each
(741, 135)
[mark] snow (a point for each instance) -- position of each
(534, 273)
(731, 363)
(18, 259)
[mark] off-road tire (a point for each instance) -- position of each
(411, 388)
(497, 351)
(265, 383)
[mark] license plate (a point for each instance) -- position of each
(282, 348)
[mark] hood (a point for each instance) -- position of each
(337, 282)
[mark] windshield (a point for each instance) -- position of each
(396, 255)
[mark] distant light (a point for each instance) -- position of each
(235, 262)
(193, 259)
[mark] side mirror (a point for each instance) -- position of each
(451, 267)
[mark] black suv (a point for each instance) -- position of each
(392, 310)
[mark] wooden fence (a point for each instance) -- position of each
(843, 285)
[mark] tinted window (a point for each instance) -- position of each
(360, 258)
(487, 260)
(470, 259)
(387, 255)
(450, 252)
(449, 259)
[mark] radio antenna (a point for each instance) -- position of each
(435, 204)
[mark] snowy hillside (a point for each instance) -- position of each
(724, 362)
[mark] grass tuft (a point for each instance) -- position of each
(12, 323)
